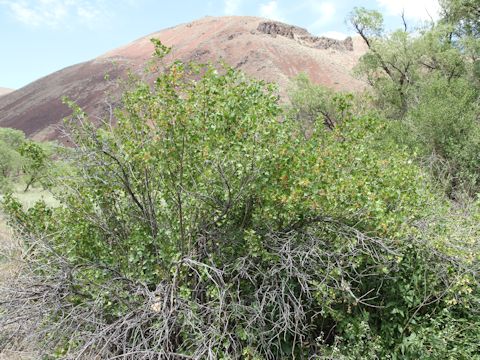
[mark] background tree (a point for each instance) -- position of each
(463, 18)
(36, 162)
(311, 104)
(12, 137)
(426, 79)
(11, 160)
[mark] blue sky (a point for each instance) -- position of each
(39, 37)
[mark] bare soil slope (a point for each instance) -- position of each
(4, 91)
(264, 49)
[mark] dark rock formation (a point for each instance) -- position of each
(303, 37)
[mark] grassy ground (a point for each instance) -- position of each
(32, 196)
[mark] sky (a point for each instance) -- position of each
(38, 37)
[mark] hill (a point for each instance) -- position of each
(264, 49)
(5, 91)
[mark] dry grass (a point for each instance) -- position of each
(8, 269)
(16, 355)
(6, 245)
(30, 197)
(9, 250)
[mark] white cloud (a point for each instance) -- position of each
(324, 12)
(414, 9)
(231, 7)
(37, 13)
(326, 9)
(57, 13)
(270, 10)
(89, 15)
(335, 35)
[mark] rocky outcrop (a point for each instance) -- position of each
(275, 28)
(322, 42)
(303, 37)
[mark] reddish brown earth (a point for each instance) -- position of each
(264, 49)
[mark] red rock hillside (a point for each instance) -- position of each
(264, 49)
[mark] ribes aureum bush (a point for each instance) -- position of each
(201, 224)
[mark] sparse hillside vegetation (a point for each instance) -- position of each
(212, 222)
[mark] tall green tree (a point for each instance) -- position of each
(463, 18)
(425, 80)
(36, 163)
(11, 161)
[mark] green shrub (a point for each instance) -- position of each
(201, 226)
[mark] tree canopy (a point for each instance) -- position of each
(426, 80)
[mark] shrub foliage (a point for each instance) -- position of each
(205, 225)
